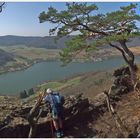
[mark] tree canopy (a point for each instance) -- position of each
(102, 28)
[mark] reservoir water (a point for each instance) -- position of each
(13, 82)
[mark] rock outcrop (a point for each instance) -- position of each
(77, 109)
(122, 82)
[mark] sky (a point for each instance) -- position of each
(21, 18)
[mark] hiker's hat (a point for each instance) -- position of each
(49, 91)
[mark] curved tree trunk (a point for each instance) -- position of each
(130, 61)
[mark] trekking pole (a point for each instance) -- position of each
(51, 123)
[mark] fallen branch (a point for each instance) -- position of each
(118, 122)
(33, 119)
(137, 87)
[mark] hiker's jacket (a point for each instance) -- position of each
(56, 102)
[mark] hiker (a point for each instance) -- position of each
(55, 101)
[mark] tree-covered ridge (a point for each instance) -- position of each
(32, 41)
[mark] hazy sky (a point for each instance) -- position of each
(21, 18)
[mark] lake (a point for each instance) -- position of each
(13, 82)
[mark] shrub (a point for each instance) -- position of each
(31, 91)
(23, 94)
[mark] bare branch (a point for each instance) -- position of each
(1, 6)
(118, 122)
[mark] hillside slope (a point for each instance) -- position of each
(43, 42)
(5, 57)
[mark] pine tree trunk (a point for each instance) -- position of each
(130, 61)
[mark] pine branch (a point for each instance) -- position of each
(1, 6)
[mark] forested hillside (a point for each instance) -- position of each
(48, 42)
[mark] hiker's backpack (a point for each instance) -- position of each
(56, 99)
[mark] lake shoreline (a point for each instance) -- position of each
(67, 78)
(44, 71)
(39, 73)
(27, 66)
(100, 55)
(51, 60)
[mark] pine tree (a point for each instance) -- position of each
(118, 26)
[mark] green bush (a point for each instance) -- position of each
(23, 94)
(31, 91)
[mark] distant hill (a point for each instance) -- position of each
(43, 42)
(46, 42)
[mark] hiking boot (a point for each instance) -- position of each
(62, 134)
(58, 134)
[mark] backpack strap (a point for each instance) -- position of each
(52, 100)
